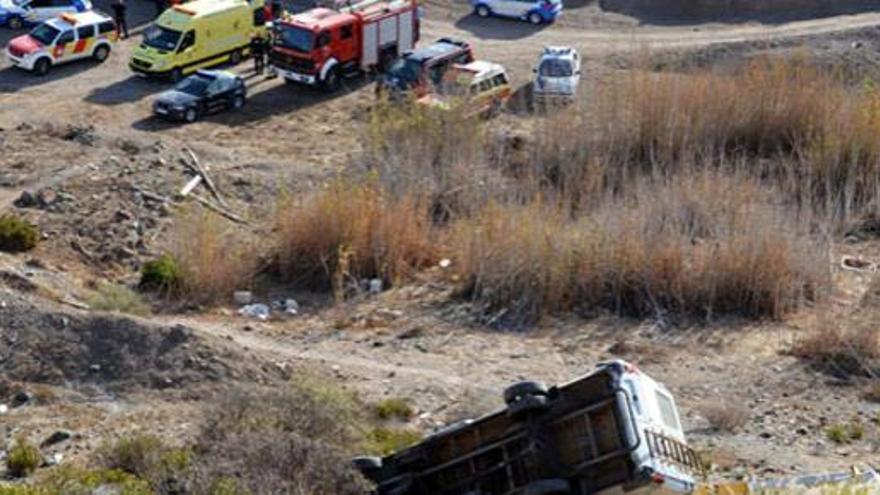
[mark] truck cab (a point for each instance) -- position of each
(613, 431)
(321, 46)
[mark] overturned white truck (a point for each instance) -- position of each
(615, 430)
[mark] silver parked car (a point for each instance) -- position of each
(557, 75)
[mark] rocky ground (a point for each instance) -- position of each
(102, 179)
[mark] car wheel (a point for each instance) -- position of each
(176, 75)
(235, 58)
(101, 53)
(41, 67)
(535, 18)
(331, 83)
(238, 102)
(15, 23)
(483, 11)
(191, 115)
(522, 389)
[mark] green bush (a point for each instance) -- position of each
(162, 274)
(393, 408)
(16, 235)
(138, 455)
(111, 297)
(23, 459)
(384, 441)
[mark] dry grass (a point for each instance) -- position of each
(815, 135)
(727, 418)
(349, 232)
(701, 245)
(213, 259)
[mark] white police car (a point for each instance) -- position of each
(534, 11)
(18, 13)
(557, 74)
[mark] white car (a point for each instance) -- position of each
(557, 75)
(19, 13)
(533, 11)
(66, 38)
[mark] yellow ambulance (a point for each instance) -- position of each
(199, 34)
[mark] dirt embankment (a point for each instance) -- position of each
(111, 353)
(686, 10)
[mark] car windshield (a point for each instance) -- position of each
(405, 70)
(161, 38)
(294, 38)
(44, 33)
(555, 68)
(194, 85)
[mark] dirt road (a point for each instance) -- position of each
(281, 122)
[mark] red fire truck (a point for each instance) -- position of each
(321, 46)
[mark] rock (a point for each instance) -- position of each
(95, 367)
(46, 197)
(857, 44)
(21, 398)
(375, 286)
(57, 437)
(3, 409)
(411, 333)
(122, 216)
(243, 297)
(26, 200)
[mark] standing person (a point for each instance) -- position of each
(258, 52)
(119, 9)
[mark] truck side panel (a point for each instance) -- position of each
(370, 54)
(406, 41)
(388, 31)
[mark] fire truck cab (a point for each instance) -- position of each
(321, 46)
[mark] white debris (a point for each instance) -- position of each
(375, 285)
(3, 409)
(445, 263)
(259, 311)
(291, 307)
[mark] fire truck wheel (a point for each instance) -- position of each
(191, 115)
(41, 67)
(15, 23)
(548, 487)
(101, 53)
(535, 18)
(331, 82)
(523, 389)
(235, 57)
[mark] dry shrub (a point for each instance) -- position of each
(212, 258)
(292, 441)
(726, 418)
(695, 245)
(817, 135)
(351, 232)
(847, 346)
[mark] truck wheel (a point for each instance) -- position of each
(191, 115)
(238, 102)
(101, 53)
(331, 82)
(235, 57)
(535, 18)
(483, 11)
(522, 389)
(15, 23)
(41, 67)
(367, 464)
(548, 487)
(526, 405)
